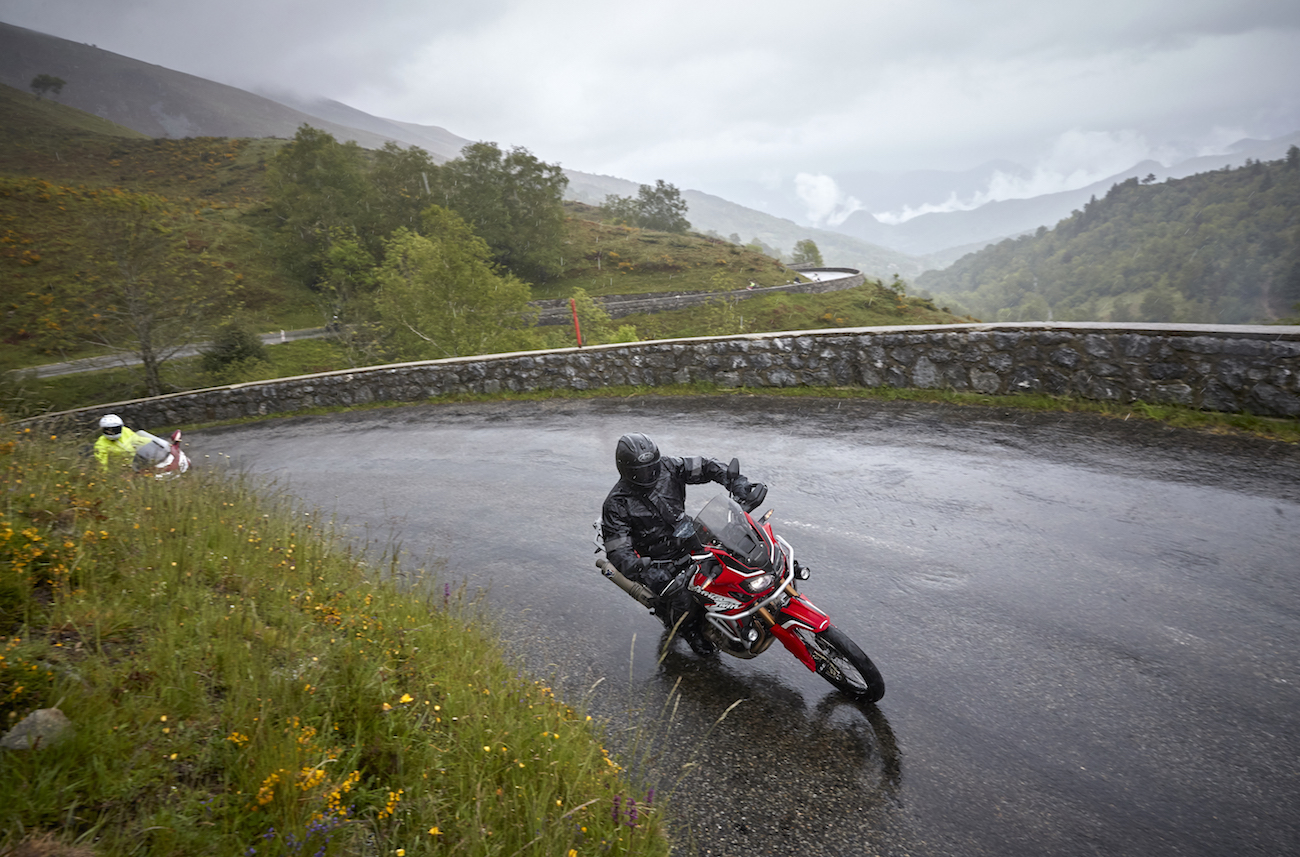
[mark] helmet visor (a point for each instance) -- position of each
(644, 475)
(112, 431)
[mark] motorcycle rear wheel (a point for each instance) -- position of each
(843, 664)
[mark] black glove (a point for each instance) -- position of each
(748, 494)
(635, 568)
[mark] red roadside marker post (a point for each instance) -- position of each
(577, 331)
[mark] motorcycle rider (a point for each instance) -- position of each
(641, 512)
(116, 441)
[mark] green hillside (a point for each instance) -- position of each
(1219, 247)
(66, 177)
(62, 170)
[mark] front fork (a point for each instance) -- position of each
(804, 613)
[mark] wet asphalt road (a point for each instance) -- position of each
(1089, 628)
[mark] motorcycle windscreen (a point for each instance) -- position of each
(151, 454)
(723, 521)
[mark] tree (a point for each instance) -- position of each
(44, 83)
(404, 183)
(319, 192)
(1160, 304)
(621, 209)
(514, 202)
(143, 291)
(234, 348)
(348, 276)
(596, 325)
(439, 296)
(806, 253)
(661, 208)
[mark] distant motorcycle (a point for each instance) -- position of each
(160, 458)
(744, 576)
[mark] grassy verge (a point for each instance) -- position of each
(239, 684)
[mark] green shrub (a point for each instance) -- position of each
(234, 345)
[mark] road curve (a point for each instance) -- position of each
(1089, 628)
(126, 358)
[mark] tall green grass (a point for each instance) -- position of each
(240, 683)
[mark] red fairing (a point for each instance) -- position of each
(804, 612)
(795, 645)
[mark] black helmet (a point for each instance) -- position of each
(638, 460)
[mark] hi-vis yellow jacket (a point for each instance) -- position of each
(121, 449)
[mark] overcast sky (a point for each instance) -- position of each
(705, 93)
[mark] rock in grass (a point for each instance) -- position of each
(44, 727)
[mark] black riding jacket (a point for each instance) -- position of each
(640, 523)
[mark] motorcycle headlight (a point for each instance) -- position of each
(758, 584)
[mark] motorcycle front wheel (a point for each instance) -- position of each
(843, 664)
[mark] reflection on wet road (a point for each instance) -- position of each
(1088, 628)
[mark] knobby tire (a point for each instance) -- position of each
(843, 664)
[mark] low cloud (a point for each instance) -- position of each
(826, 203)
(1076, 159)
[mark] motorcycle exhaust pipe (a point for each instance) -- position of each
(638, 591)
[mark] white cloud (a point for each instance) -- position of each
(1075, 159)
(825, 201)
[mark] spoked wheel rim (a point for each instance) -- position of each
(843, 664)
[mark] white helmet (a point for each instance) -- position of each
(111, 424)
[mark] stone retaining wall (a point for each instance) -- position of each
(1221, 368)
(558, 312)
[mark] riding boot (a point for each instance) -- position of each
(693, 631)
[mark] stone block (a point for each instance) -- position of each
(1219, 397)
(781, 378)
(1174, 394)
(1165, 371)
(1270, 401)
(1066, 358)
(924, 374)
(1098, 346)
(1133, 344)
(1024, 380)
(1007, 340)
(988, 383)
(1054, 382)
(1001, 363)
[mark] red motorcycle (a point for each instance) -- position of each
(744, 576)
(162, 458)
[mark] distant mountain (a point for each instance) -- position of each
(938, 232)
(151, 99)
(940, 238)
(160, 102)
(1213, 247)
(438, 142)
